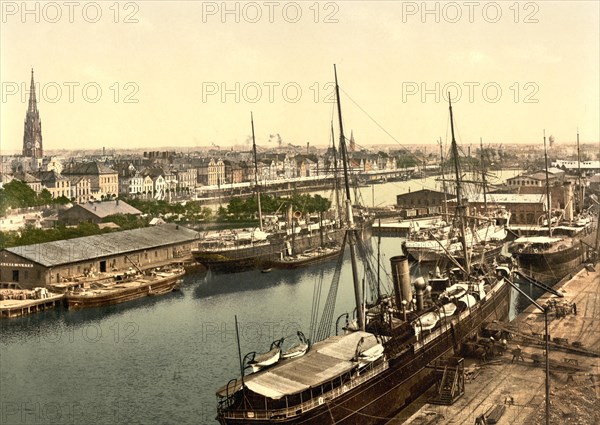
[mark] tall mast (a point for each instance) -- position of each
(338, 205)
(579, 185)
(483, 177)
(260, 222)
(444, 189)
(547, 187)
(358, 290)
(459, 202)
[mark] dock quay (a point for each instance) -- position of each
(20, 305)
(510, 388)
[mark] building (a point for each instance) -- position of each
(159, 185)
(104, 180)
(56, 184)
(423, 198)
(586, 167)
(186, 180)
(211, 172)
(32, 134)
(538, 179)
(81, 189)
(30, 180)
(524, 208)
(96, 211)
(54, 262)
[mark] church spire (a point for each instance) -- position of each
(32, 98)
(32, 135)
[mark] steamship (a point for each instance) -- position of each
(548, 258)
(380, 364)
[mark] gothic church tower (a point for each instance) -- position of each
(32, 137)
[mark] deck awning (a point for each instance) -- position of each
(325, 361)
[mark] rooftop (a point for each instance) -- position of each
(55, 253)
(106, 208)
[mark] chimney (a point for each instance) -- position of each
(401, 280)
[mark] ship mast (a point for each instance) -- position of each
(460, 207)
(547, 187)
(338, 206)
(483, 177)
(260, 221)
(445, 209)
(580, 186)
(358, 290)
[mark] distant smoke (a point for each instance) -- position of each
(276, 137)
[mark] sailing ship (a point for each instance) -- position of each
(484, 234)
(548, 258)
(296, 243)
(380, 364)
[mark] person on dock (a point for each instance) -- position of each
(517, 354)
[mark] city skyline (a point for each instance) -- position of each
(146, 75)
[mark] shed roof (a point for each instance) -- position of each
(106, 208)
(87, 248)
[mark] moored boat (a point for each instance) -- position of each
(549, 258)
(123, 288)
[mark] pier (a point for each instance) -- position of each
(509, 389)
(21, 307)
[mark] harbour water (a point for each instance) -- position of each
(384, 194)
(161, 359)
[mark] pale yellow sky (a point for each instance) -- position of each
(162, 76)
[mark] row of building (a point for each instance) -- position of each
(86, 181)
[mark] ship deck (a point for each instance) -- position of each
(325, 360)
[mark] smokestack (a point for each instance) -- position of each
(307, 147)
(401, 279)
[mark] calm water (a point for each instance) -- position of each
(159, 360)
(385, 194)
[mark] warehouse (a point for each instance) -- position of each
(48, 263)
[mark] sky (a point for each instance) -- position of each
(160, 74)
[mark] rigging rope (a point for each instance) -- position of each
(316, 301)
(328, 310)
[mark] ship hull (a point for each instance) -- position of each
(153, 287)
(406, 378)
(550, 267)
(240, 259)
(261, 256)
